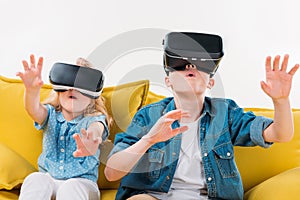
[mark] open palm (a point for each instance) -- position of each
(278, 81)
(162, 129)
(87, 144)
(31, 76)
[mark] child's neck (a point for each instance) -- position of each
(69, 116)
(193, 105)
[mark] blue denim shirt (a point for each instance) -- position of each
(222, 125)
(58, 146)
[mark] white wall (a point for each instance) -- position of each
(125, 38)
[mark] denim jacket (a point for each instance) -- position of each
(222, 125)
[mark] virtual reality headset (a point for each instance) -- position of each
(87, 81)
(205, 51)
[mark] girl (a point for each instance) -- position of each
(68, 164)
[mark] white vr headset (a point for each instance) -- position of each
(87, 81)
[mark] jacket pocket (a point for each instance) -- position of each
(155, 158)
(225, 160)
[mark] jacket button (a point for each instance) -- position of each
(205, 154)
(228, 154)
(209, 178)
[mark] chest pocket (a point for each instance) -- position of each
(155, 159)
(225, 160)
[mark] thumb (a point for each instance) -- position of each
(264, 87)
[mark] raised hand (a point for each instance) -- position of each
(278, 81)
(87, 145)
(31, 76)
(162, 130)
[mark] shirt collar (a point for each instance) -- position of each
(170, 106)
(61, 118)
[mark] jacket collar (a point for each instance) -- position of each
(207, 108)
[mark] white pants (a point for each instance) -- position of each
(41, 186)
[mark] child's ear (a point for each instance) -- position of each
(211, 83)
(167, 81)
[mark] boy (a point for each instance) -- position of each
(156, 161)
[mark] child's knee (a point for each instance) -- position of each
(70, 188)
(37, 186)
(38, 179)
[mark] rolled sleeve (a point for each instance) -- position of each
(257, 127)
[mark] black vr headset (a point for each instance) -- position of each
(205, 51)
(87, 81)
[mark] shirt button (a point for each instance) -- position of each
(61, 167)
(61, 161)
(209, 178)
(62, 150)
(174, 154)
(228, 154)
(205, 154)
(62, 137)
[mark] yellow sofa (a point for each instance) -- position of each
(272, 173)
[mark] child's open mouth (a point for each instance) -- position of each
(190, 74)
(72, 97)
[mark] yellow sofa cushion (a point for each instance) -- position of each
(123, 101)
(16, 127)
(282, 186)
(13, 168)
(9, 195)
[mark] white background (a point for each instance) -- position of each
(62, 30)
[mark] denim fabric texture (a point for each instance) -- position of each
(58, 146)
(223, 124)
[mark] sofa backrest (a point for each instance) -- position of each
(16, 127)
(17, 131)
